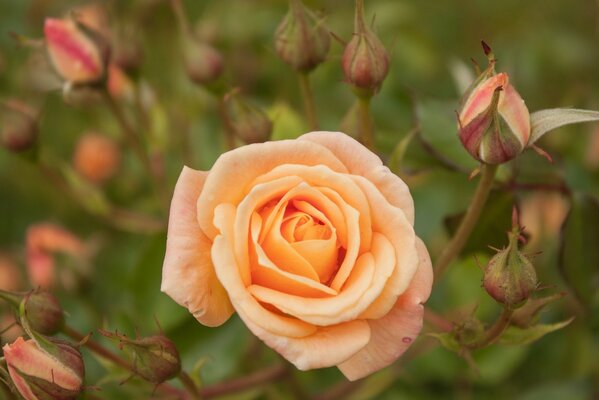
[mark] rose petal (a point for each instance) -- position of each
(515, 113)
(227, 271)
(480, 98)
(188, 275)
(361, 161)
(394, 333)
(232, 174)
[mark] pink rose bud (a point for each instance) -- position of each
(203, 63)
(245, 120)
(301, 39)
(54, 371)
(510, 277)
(78, 53)
(494, 122)
(19, 126)
(365, 60)
(156, 358)
(119, 85)
(97, 157)
(43, 312)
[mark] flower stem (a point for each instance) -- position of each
(365, 119)
(97, 348)
(308, 96)
(494, 332)
(190, 385)
(455, 246)
(237, 385)
(227, 128)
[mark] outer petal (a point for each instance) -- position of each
(235, 170)
(361, 161)
(188, 274)
(393, 334)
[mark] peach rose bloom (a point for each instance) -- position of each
(311, 242)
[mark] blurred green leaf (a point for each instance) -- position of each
(514, 335)
(287, 123)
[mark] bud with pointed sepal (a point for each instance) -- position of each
(301, 39)
(19, 126)
(40, 307)
(244, 119)
(365, 60)
(156, 358)
(494, 122)
(78, 53)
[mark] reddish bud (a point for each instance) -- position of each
(10, 275)
(43, 312)
(301, 39)
(96, 157)
(19, 126)
(203, 63)
(245, 120)
(365, 60)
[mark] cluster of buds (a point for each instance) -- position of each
(301, 39)
(155, 358)
(19, 126)
(494, 122)
(365, 60)
(244, 119)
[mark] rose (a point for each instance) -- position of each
(311, 241)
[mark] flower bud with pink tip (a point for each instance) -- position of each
(78, 53)
(19, 126)
(494, 122)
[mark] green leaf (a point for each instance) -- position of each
(544, 121)
(287, 123)
(579, 254)
(521, 336)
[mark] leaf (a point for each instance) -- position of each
(400, 151)
(578, 258)
(447, 340)
(544, 121)
(521, 336)
(287, 123)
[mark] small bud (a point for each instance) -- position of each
(127, 54)
(156, 358)
(96, 157)
(43, 312)
(245, 120)
(203, 63)
(119, 85)
(494, 122)
(19, 126)
(10, 274)
(301, 39)
(78, 53)
(54, 371)
(510, 277)
(365, 60)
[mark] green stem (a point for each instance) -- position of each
(97, 348)
(237, 385)
(365, 119)
(455, 246)
(190, 385)
(308, 96)
(494, 332)
(227, 128)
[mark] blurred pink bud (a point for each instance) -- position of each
(245, 120)
(95, 16)
(203, 63)
(543, 214)
(44, 240)
(53, 373)
(97, 157)
(365, 60)
(301, 39)
(19, 126)
(10, 275)
(128, 54)
(494, 122)
(119, 85)
(78, 54)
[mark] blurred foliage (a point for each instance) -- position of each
(549, 47)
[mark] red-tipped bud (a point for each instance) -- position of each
(510, 277)
(156, 358)
(365, 60)
(203, 63)
(78, 53)
(19, 126)
(96, 157)
(43, 312)
(245, 120)
(301, 39)
(494, 122)
(54, 371)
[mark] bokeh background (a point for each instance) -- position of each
(549, 47)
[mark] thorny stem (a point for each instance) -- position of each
(494, 332)
(237, 385)
(97, 348)
(308, 97)
(456, 244)
(190, 385)
(366, 131)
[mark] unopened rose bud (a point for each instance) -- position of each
(203, 63)
(156, 358)
(494, 122)
(97, 157)
(301, 39)
(365, 60)
(10, 274)
(19, 126)
(119, 85)
(510, 277)
(55, 371)
(78, 53)
(245, 120)
(43, 312)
